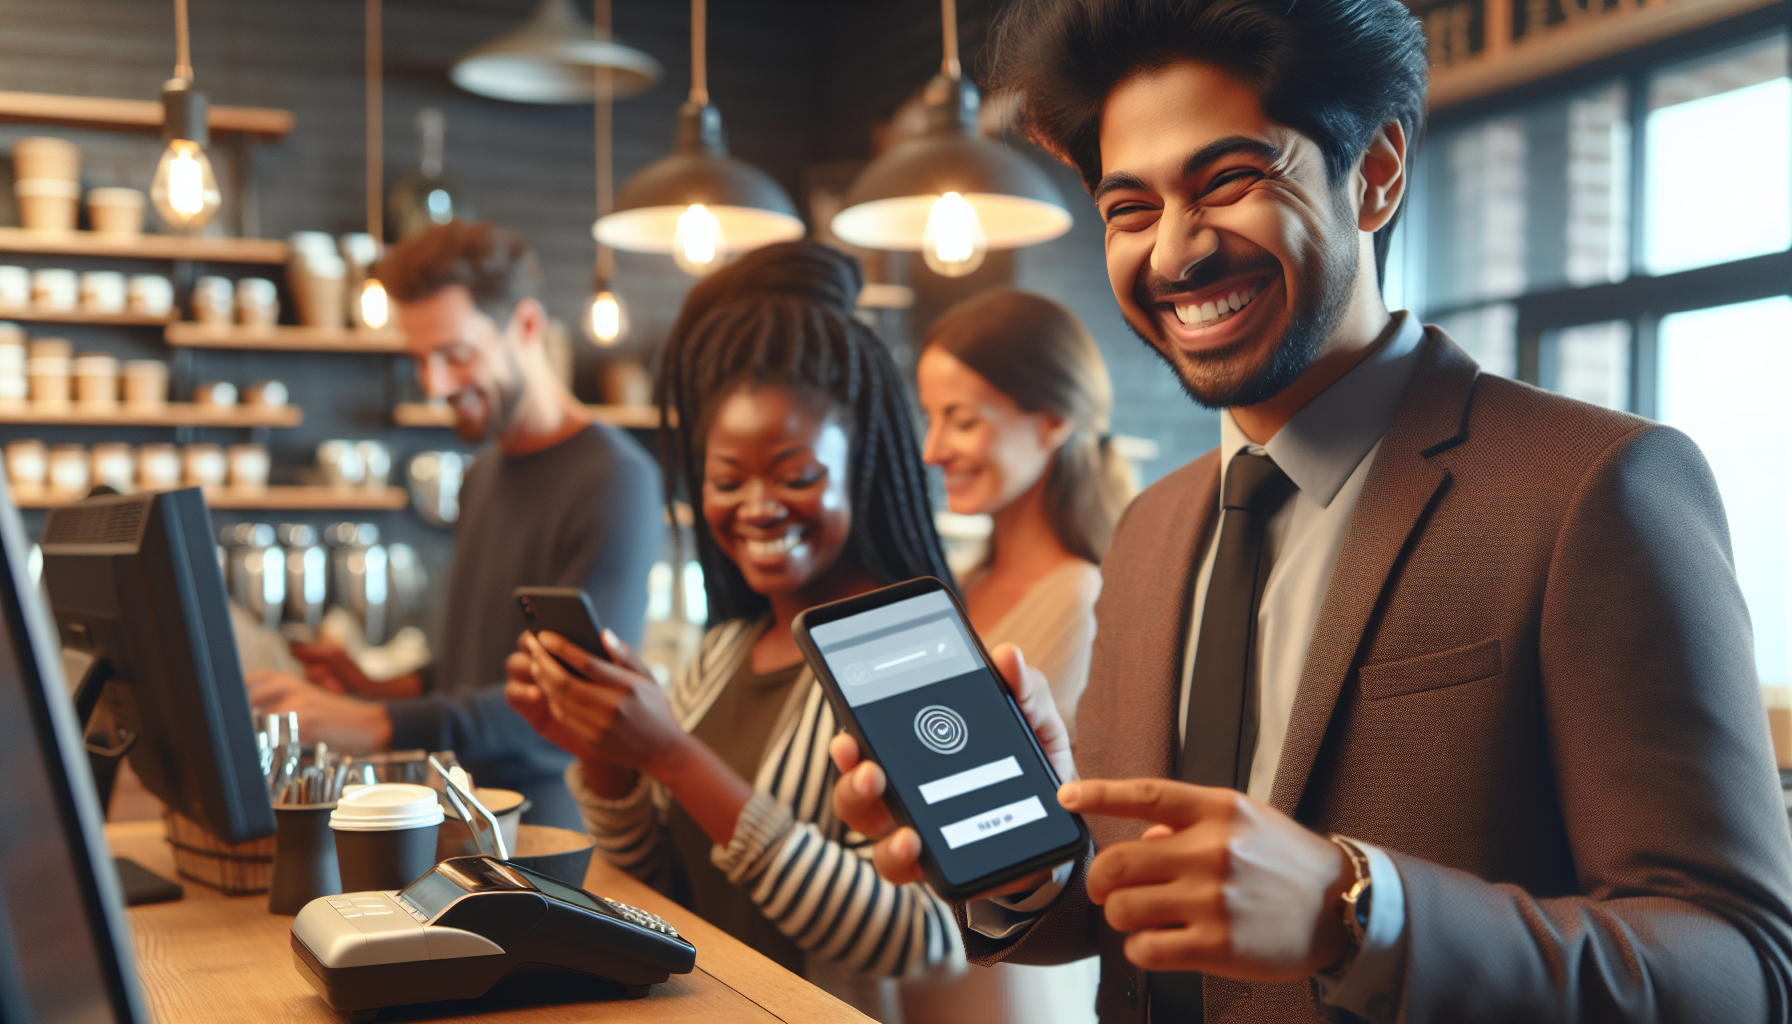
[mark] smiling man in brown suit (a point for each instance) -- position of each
(1428, 696)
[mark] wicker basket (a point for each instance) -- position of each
(199, 855)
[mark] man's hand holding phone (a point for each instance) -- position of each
(859, 796)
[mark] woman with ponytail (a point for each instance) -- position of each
(1017, 401)
(785, 421)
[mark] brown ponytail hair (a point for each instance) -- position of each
(1039, 354)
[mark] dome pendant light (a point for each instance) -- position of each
(184, 191)
(948, 194)
(549, 60)
(699, 204)
(606, 320)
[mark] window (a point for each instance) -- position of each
(1723, 376)
(1718, 156)
(1629, 243)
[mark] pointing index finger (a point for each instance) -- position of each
(1163, 801)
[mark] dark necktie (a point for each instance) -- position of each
(1221, 734)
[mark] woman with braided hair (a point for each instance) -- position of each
(786, 419)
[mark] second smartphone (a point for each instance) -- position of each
(566, 611)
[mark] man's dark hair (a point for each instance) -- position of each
(1333, 70)
(495, 265)
(782, 316)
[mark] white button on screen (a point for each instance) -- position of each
(992, 823)
(970, 780)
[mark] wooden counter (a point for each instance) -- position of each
(211, 957)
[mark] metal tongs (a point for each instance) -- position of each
(459, 787)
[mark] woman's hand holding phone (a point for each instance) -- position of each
(859, 795)
(614, 708)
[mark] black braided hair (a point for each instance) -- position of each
(782, 316)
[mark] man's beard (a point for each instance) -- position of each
(504, 397)
(1211, 379)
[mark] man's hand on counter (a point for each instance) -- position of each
(347, 724)
(331, 667)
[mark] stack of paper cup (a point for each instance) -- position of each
(145, 385)
(47, 181)
(248, 468)
(203, 465)
(318, 276)
(15, 288)
(27, 467)
(114, 466)
(115, 211)
(102, 291)
(55, 290)
(13, 386)
(214, 301)
(158, 467)
(48, 369)
(257, 302)
(69, 474)
(96, 381)
(150, 295)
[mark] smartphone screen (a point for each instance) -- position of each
(939, 721)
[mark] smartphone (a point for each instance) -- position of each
(910, 681)
(566, 611)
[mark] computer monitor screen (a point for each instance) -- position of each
(65, 953)
(134, 582)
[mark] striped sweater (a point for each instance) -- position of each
(806, 871)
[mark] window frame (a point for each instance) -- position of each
(1640, 298)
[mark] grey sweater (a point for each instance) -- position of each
(584, 513)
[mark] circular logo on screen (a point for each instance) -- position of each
(941, 729)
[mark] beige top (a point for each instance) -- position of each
(1054, 627)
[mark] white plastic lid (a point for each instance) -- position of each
(388, 806)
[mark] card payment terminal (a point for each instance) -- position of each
(458, 930)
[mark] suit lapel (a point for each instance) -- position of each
(1163, 625)
(1402, 487)
(1128, 713)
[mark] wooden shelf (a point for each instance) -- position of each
(276, 498)
(147, 247)
(42, 316)
(431, 414)
(174, 414)
(134, 115)
(282, 338)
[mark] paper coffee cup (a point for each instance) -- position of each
(385, 835)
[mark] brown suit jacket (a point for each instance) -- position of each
(1531, 682)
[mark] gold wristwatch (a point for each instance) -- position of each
(1354, 904)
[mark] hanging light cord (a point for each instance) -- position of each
(949, 17)
(605, 94)
(183, 57)
(376, 157)
(699, 54)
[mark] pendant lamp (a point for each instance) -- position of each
(184, 190)
(549, 60)
(605, 321)
(373, 304)
(699, 204)
(948, 194)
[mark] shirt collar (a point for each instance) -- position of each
(1325, 441)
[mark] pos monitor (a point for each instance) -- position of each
(135, 585)
(65, 954)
